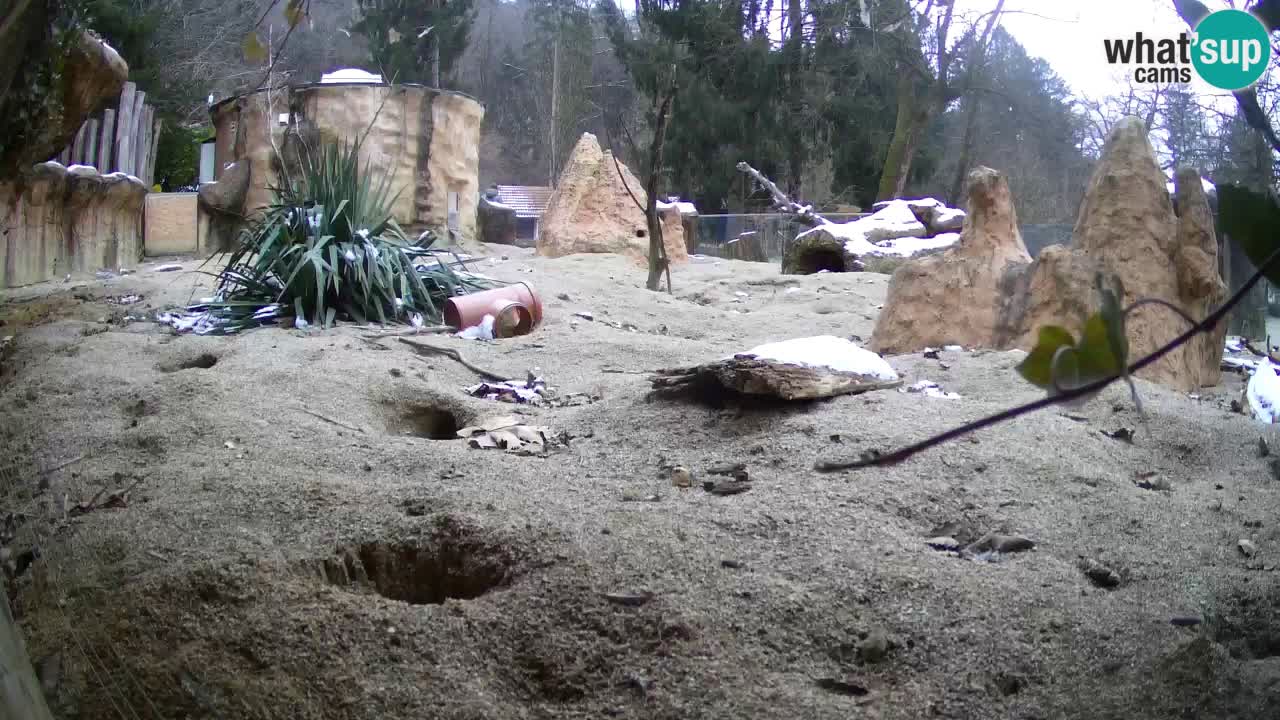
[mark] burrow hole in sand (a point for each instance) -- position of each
(430, 416)
(432, 423)
(203, 361)
(457, 564)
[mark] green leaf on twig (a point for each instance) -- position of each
(1058, 362)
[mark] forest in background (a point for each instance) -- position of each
(842, 102)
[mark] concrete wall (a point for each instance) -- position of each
(427, 139)
(59, 221)
(171, 224)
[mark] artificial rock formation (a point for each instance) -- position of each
(72, 220)
(90, 73)
(222, 207)
(959, 295)
(1126, 228)
(897, 228)
(427, 140)
(495, 222)
(593, 212)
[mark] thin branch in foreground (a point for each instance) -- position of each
(876, 459)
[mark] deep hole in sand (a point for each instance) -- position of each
(429, 421)
(458, 563)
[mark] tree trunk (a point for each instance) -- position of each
(657, 249)
(913, 115)
(795, 68)
(955, 196)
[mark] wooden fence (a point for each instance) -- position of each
(120, 138)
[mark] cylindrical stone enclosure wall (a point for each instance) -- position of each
(428, 139)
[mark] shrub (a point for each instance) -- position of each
(328, 247)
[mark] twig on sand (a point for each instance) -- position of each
(429, 329)
(331, 421)
(424, 349)
(49, 470)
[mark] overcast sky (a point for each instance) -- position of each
(1069, 33)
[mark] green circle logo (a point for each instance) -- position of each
(1231, 49)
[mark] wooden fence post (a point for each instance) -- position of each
(77, 144)
(135, 134)
(123, 121)
(91, 144)
(106, 142)
(156, 128)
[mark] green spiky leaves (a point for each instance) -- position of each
(329, 247)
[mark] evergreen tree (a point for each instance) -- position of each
(415, 41)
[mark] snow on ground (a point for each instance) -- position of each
(1264, 392)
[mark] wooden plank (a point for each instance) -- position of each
(142, 142)
(91, 144)
(123, 116)
(77, 146)
(156, 128)
(138, 108)
(106, 142)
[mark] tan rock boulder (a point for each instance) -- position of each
(1127, 227)
(1199, 283)
(90, 73)
(593, 212)
(984, 293)
(960, 296)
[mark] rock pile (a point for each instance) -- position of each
(896, 228)
(985, 291)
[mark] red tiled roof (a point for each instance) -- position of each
(528, 200)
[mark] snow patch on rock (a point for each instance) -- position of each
(825, 351)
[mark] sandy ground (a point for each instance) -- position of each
(270, 563)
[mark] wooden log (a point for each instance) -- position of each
(91, 144)
(107, 141)
(156, 127)
(77, 145)
(124, 119)
(781, 202)
(748, 375)
(143, 136)
(135, 141)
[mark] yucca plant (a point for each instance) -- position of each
(327, 247)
